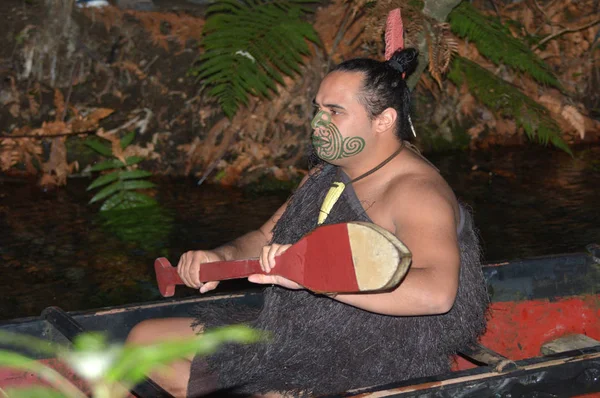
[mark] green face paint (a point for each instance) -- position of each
(329, 144)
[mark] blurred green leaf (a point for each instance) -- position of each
(17, 361)
(131, 174)
(32, 343)
(138, 361)
(90, 341)
(138, 184)
(127, 200)
(99, 146)
(127, 139)
(133, 160)
(103, 180)
(107, 191)
(32, 392)
(107, 164)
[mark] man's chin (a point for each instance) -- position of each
(313, 157)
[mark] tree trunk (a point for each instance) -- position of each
(49, 56)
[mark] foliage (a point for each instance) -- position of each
(162, 28)
(433, 141)
(493, 42)
(107, 368)
(124, 180)
(24, 145)
(496, 43)
(248, 45)
(503, 97)
(147, 226)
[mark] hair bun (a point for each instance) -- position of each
(404, 61)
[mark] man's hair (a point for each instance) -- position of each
(384, 86)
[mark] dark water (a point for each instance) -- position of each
(55, 251)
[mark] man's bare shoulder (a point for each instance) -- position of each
(421, 194)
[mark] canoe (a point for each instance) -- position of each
(542, 338)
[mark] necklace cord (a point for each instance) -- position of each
(380, 165)
(337, 187)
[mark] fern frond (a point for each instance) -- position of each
(448, 47)
(496, 43)
(504, 98)
(248, 45)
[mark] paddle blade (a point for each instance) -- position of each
(353, 257)
(166, 277)
(380, 259)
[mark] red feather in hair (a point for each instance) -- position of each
(394, 33)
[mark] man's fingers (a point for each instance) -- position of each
(264, 254)
(262, 279)
(194, 268)
(188, 268)
(281, 249)
(271, 257)
(274, 280)
(208, 286)
(182, 268)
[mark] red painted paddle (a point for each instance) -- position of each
(348, 258)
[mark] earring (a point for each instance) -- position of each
(412, 127)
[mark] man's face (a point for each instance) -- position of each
(341, 125)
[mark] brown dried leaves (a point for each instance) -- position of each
(442, 46)
(14, 151)
(179, 27)
(57, 169)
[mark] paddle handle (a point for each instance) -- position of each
(167, 276)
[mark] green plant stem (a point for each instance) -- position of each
(101, 390)
(57, 380)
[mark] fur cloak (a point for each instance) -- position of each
(321, 346)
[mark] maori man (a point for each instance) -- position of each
(322, 344)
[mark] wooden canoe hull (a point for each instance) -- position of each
(534, 301)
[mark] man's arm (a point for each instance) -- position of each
(427, 227)
(246, 246)
(251, 244)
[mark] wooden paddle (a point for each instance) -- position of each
(339, 258)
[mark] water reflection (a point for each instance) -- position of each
(57, 250)
(148, 227)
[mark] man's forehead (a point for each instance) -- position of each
(339, 88)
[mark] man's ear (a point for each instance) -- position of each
(386, 120)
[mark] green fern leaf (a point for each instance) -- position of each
(127, 200)
(107, 191)
(103, 180)
(127, 139)
(131, 160)
(137, 184)
(496, 43)
(507, 100)
(133, 174)
(99, 146)
(249, 45)
(107, 164)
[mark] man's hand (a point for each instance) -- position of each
(267, 263)
(188, 269)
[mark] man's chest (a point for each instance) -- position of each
(377, 207)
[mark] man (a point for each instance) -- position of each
(324, 344)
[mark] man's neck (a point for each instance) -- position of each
(356, 169)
